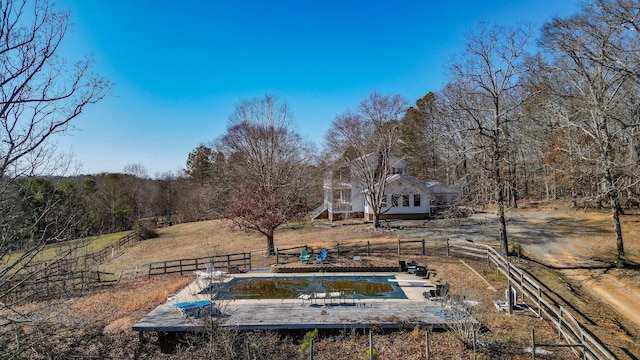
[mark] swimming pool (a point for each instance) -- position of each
(290, 287)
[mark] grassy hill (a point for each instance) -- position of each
(98, 324)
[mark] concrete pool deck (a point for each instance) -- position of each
(250, 314)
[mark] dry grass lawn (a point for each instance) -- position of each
(552, 239)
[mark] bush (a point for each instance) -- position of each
(306, 343)
(516, 249)
(143, 232)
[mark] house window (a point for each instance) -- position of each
(405, 200)
(416, 200)
(394, 200)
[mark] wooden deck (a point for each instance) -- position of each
(298, 314)
(295, 315)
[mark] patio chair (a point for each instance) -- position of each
(305, 296)
(304, 256)
(211, 272)
(411, 269)
(441, 291)
(322, 256)
(402, 266)
(193, 308)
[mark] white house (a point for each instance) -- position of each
(406, 197)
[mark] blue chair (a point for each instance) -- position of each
(192, 308)
(322, 256)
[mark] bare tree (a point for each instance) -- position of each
(591, 80)
(268, 167)
(39, 97)
(365, 141)
(486, 93)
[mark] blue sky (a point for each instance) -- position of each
(180, 67)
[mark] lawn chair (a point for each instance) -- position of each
(322, 256)
(441, 292)
(304, 256)
(211, 273)
(411, 268)
(402, 266)
(193, 308)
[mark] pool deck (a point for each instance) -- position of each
(337, 313)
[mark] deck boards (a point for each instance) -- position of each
(296, 315)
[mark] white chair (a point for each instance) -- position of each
(211, 273)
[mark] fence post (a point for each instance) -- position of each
(423, 251)
(447, 246)
(509, 295)
(426, 343)
(368, 249)
(533, 344)
(539, 302)
(474, 345)
(560, 321)
(228, 261)
(277, 256)
(338, 249)
(370, 344)
(398, 247)
(150, 270)
(250, 259)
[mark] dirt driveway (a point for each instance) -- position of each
(581, 246)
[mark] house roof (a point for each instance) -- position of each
(408, 179)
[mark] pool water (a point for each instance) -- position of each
(290, 287)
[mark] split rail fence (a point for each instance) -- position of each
(230, 262)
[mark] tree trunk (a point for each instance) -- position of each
(504, 248)
(615, 204)
(271, 250)
(376, 220)
(497, 158)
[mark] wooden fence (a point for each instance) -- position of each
(103, 255)
(100, 256)
(231, 263)
(49, 285)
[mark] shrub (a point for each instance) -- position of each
(143, 232)
(306, 343)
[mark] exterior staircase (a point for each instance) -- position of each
(317, 211)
